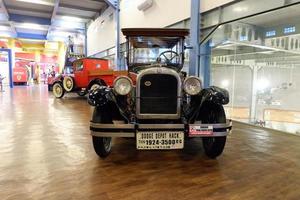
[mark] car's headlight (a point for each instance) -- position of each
(192, 85)
(122, 85)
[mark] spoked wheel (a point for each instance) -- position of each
(58, 90)
(68, 83)
(102, 145)
(214, 146)
(95, 86)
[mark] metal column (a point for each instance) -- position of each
(85, 40)
(115, 4)
(117, 21)
(194, 38)
(254, 94)
(205, 64)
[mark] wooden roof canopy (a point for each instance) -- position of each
(154, 37)
(155, 32)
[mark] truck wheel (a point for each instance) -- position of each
(95, 86)
(68, 83)
(213, 146)
(81, 93)
(50, 88)
(102, 145)
(58, 90)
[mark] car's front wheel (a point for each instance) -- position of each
(213, 146)
(102, 145)
(58, 90)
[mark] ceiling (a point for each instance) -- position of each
(52, 20)
(279, 17)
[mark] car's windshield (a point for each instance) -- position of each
(145, 51)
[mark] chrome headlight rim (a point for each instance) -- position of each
(185, 85)
(118, 79)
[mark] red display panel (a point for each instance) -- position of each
(20, 75)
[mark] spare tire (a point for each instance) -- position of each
(68, 83)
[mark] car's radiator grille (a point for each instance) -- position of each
(158, 94)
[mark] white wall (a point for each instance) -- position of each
(101, 34)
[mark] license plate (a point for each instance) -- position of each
(200, 130)
(159, 140)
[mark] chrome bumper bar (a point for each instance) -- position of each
(129, 130)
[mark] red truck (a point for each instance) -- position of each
(20, 75)
(88, 73)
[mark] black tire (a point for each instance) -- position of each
(213, 113)
(49, 88)
(81, 93)
(58, 90)
(102, 145)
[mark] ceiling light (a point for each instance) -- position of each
(42, 2)
(262, 84)
(58, 39)
(60, 33)
(32, 40)
(5, 35)
(69, 18)
(4, 28)
(31, 26)
(225, 83)
(240, 9)
(51, 45)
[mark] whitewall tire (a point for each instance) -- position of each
(68, 83)
(95, 86)
(58, 90)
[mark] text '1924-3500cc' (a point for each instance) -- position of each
(156, 103)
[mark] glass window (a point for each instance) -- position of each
(261, 73)
(78, 65)
(149, 50)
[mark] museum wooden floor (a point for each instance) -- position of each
(46, 153)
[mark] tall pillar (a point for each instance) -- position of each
(253, 94)
(61, 56)
(205, 63)
(117, 21)
(194, 38)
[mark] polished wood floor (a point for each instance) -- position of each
(46, 153)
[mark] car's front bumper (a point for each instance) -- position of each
(190, 130)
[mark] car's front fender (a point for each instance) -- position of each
(104, 99)
(215, 94)
(99, 97)
(212, 95)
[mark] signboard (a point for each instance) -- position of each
(20, 75)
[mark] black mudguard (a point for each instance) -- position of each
(99, 97)
(104, 100)
(212, 96)
(215, 94)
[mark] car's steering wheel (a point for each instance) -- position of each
(170, 58)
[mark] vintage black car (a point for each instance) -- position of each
(156, 103)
